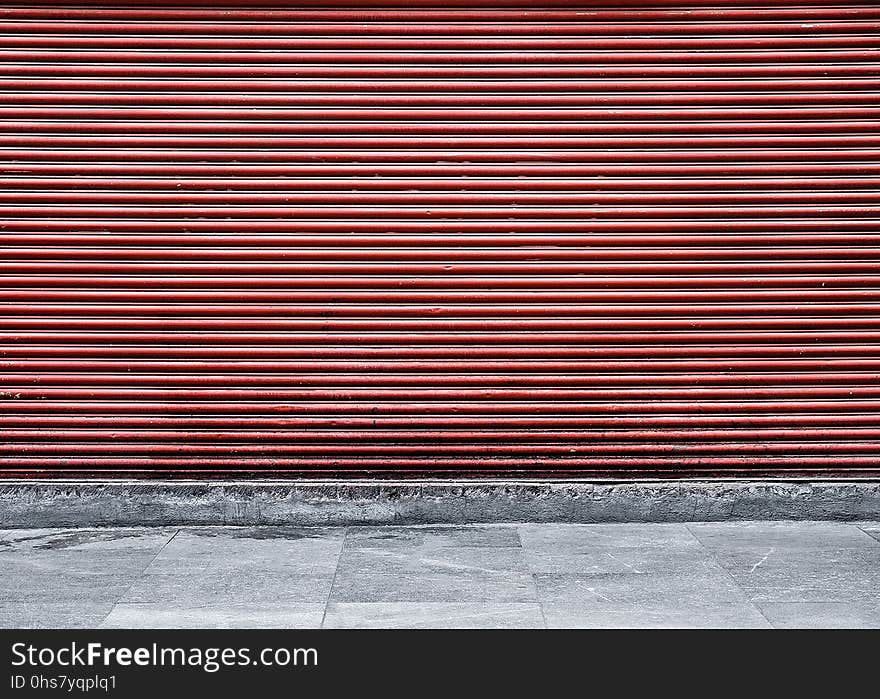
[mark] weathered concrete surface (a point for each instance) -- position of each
(37, 503)
(680, 575)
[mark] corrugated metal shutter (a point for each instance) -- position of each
(477, 239)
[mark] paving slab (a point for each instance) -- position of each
(74, 566)
(656, 616)
(212, 551)
(87, 540)
(434, 587)
(215, 616)
(698, 595)
(773, 574)
(779, 535)
(564, 537)
(41, 614)
(431, 537)
(707, 581)
(822, 615)
(638, 560)
(16, 586)
(422, 560)
(433, 615)
(232, 588)
(100, 562)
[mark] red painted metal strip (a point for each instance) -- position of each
(283, 12)
(465, 371)
(557, 449)
(31, 165)
(528, 471)
(756, 79)
(430, 464)
(671, 438)
(431, 268)
(442, 353)
(434, 130)
(449, 245)
(778, 96)
(578, 144)
(731, 40)
(366, 425)
(420, 253)
(10, 313)
(575, 400)
(262, 379)
(305, 118)
(435, 156)
(124, 200)
(62, 60)
(597, 185)
(563, 78)
(524, 299)
(519, 28)
(545, 326)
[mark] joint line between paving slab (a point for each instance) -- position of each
(534, 577)
(335, 573)
(862, 529)
(140, 575)
(714, 557)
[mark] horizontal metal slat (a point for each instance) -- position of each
(827, 350)
(367, 282)
(376, 371)
(341, 450)
(438, 159)
(436, 130)
(525, 298)
(268, 11)
(732, 40)
(261, 378)
(730, 184)
(681, 85)
(32, 166)
(178, 405)
(521, 27)
(514, 199)
(671, 437)
(804, 322)
(464, 268)
(450, 338)
(367, 425)
(42, 62)
(367, 308)
(418, 253)
(277, 78)
(151, 465)
(578, 399)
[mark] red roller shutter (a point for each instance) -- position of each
(309, 238)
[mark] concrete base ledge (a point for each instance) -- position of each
(39, 503)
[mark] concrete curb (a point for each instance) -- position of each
(39, 503)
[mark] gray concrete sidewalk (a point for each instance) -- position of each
(737, 574)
